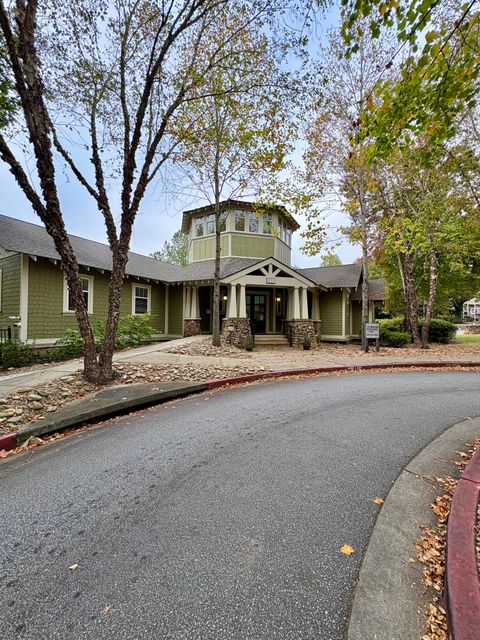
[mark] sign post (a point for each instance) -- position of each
(371, 331)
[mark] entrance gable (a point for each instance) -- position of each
(270, 272)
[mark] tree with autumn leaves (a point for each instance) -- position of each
(105, 79)
(402, 156)
(234, 139)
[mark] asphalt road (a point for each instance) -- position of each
(216, 517)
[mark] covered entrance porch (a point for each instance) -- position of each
(264, 299)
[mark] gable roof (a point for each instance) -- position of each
(237, 204)
(33, 239)
(342, 275)
(204, 270)
(376, 291)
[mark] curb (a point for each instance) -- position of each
(390, 598)
(306, 371)
(8, 441)
(107, 403)
(462, 579)
(12, 440)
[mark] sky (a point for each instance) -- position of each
(159, 218)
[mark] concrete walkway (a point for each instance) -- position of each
(271, 359)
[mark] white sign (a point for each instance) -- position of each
(372, 330)
(271, 280)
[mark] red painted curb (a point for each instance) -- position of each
(472, 470)
(266, 375)
(8, 441)
(462, 579)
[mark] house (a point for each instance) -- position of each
(471, 309)
(260, 291)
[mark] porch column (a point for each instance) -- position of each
(289, 303)
(304, 304)
(188, 299)
(194, 303)
(232, 301)
(242, 310)
(315, 306)
(296, 305)
(167, 301)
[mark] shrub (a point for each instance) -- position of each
(440, 330)
(132, 329)
(392, 333)
(394, 338)
(70, 345)
(16, 354)
(392, 324)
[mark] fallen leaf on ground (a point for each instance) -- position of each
(73, 566)
(378, 500)
(347, 550)
(107, 609)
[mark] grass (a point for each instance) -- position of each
(471, 338)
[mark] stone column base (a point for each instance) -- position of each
(237, 332)
(302, 331)
(317, 327)
(191, 327)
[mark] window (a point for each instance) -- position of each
(211, 223)
(199, 226)
(253, 222)
(1, 280)
(267, 223)
(87, 290)
(223, 221)
(239, 220)
(141, 299)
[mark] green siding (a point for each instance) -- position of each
(252, 246)
(175, 310)
(356, 318)
(45, 301)
(10, 289)
(331, 313)
(204, 249)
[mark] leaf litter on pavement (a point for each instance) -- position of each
(431, 548)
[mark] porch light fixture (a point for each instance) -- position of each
(225, 298)
(278, 299)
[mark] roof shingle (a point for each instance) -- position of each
(342, 275)
(25, 237)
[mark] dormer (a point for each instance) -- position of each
(247, 231)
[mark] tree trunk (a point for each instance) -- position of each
(411, 299)
(91, 368)
(216, 276)
(406, 321)
(432, 294)
(364, 271)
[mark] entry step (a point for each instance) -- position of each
(277, 339)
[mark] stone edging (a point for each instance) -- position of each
(9, 441)
(462, 580)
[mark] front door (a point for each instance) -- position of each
(256, 311)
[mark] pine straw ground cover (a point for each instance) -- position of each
(430, 549)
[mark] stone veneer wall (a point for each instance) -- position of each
(301, 330)
(191, 328)
(237, 332)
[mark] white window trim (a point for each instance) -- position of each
(1, 288)
(90, 295)
(149, 299)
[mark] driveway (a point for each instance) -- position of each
(219, 516)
